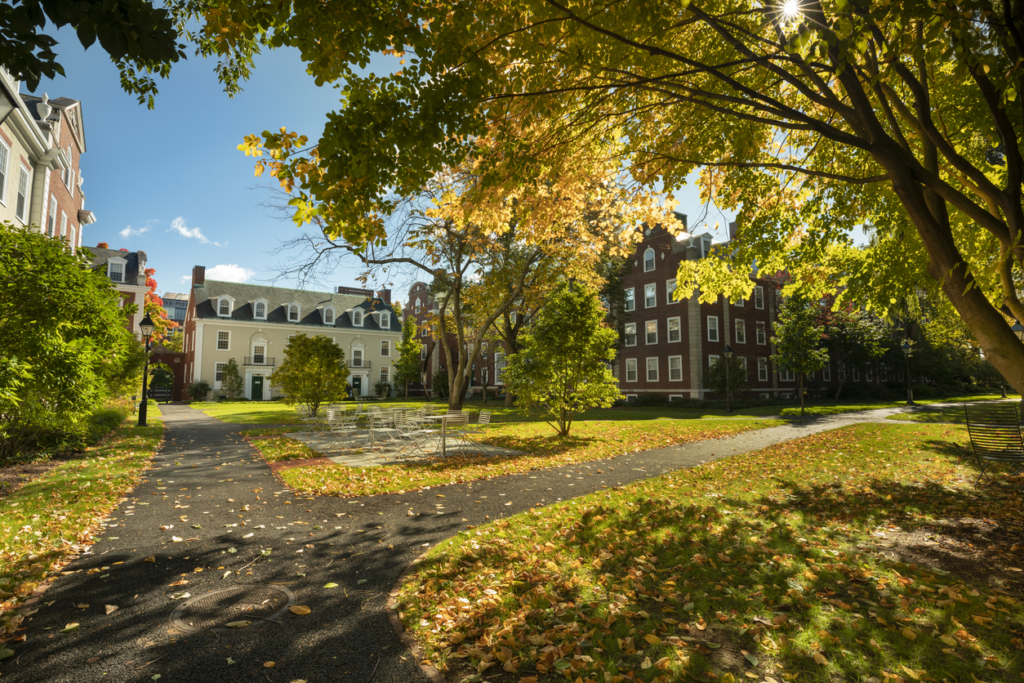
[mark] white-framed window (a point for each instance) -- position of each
(424, 331)
(223, 340)
(631, 369)
(385, 373)
(842, 372)
(416, 307)
(115, 270)
(218, 372)
(787, 376)
(5, 160)
(329, 315)
(674, 397)
(712, 328)
(21, 208)
(675, 330)
(670, 291)
(630, 299)
(385, 348)
(293, 313)
(259, 354)
(856, 373)
(740, 330)
(51, 217)
(499, 367)
(738, 303)
(385, 321)
(652, 369)
(630, 398)
(357, 358)
(648, 260)
(630, 334)
(869, 374)
(423, 352)
(651, 332)
(675, 368)
(73, 239)
(762, 370)
(759, 297)
(260, 310)
(762, 337)
(357, 318)
(826, 373)
(650, 295)
(224, 306)
(63, 224)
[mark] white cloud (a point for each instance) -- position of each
(130, 231)
(186, 278)
(178, 226)
(229, 272)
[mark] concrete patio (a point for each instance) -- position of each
(390, 453)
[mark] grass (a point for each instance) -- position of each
(277, 412)
(592, 440)
(938, 414)
(761, 566)
(49, 520)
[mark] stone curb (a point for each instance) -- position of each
(396, 624)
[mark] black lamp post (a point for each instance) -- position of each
(146, 326)
(727, 352)
(906, 354)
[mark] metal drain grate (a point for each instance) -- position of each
(214, 610)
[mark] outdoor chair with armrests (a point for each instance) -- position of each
(995, 434)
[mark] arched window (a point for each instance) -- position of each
(648, 260)
(385, 321)
(328, 316)
(418, 305)
(293, 313)
(261, 310)
(357, 318)
(224, 307)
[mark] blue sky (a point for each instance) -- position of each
(170, 181)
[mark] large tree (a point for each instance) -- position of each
(809, 117)
(313, 372)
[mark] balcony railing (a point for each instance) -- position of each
(359, 364)
(259, 360)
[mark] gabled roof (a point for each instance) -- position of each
(134, 267)
(278, 298)
(58, 105)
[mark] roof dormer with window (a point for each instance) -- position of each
(294, 312)
(259, 309)
(327, 313)
(225, 306)
(116, 269)
(357, 317)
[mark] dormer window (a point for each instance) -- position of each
(705, 247)
(293, 313)
(385, 321)
(357, 318)
(648, 260)
(328, 316)
(115, 269)
(224, 306)
(259, 310)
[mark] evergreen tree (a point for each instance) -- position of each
(407, 365)
(231, 382)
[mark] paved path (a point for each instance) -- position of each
(209, 475)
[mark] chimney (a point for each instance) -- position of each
(198, 275)
(384, 295)
(355, 290)
(732, 230)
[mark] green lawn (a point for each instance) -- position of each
(65, 504)
(943, 414)
(590, 440)
(765, 566)
(277, 412)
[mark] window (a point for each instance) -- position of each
(51, 218)
(826, 373)
(261, 310)
(423, 331)
(385, 321)
(223, 340)
(385, 348)
(4, 160)
(705, 247)
(743, 362)
(357, 318)
(68, 171)
(648, 260)
(499, 367)
(842, 372)
(762, 369)
(115, 271)
(293, 313)
(328, 316)
(712, 328)
(357, 358)
(630, 301)
(759, 297)
(675, 368)
(856, 374)
(652, 369)
(738, 303)
(259, 354)
(218, 371)
(741, 331)
(423, 352)
(512, 318)
(651, 330)
(630, 334)
(670, 291)
(63, 224)
(224, 307)
(674, 397)
(761, 336)
(787, 376)
(72, 239)
(675, 331)
(650, 296)
(631, 369)
(417, 306)
(868, 374)
(21, 210)
(385, 373)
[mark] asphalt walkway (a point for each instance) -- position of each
(235, 524)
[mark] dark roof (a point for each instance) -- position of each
(278, 298)
(133, 270)
(58, 103)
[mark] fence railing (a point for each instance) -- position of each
(259, 360)
(358, 364)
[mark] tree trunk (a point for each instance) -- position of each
(406, 389)
(839, 390)
(800, 385)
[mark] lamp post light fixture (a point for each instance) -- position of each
(146, 326)
(906, 354)
(727, 352)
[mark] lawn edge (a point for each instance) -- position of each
(405, 636)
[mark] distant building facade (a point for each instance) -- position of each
(126, 271)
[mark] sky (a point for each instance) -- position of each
(171, 181)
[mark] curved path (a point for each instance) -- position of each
(208, 475)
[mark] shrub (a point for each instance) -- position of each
(650, 400)
(924, 391)
(439, 382)
(382, 388)
(198, 391)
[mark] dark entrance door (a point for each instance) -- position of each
(257, 389)
(357, 386)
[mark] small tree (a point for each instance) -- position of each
(737, 377)
(439, 381)
(562, 365)
(197, 391)
(231, 381)
(407, 365)
(313, 372)
(798, 340)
